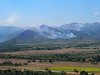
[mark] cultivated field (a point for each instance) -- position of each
(39, 52)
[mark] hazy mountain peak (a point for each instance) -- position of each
(72, 26)
(44, 26)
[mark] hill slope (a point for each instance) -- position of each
(9, 32)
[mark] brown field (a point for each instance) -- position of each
(13, 60)
(39, 52)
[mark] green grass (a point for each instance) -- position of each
(72, 68)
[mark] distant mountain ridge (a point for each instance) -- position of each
(9, 32)
(28, 36)
(67, 31)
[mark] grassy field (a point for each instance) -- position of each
(72, 68)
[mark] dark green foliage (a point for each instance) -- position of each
(92, 74)
(83, 73)
(74, 57)
(63, 73)
(9, 63)
(27, 72)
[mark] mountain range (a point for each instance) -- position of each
(45, 32)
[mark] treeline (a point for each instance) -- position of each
(27, 72)
(56, 57)
(9, 63)
(46, 48)
(14, 48)
(46, 72)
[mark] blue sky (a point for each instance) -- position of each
(28, 13)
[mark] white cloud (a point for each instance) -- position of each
(10, 19)
(96, 13)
